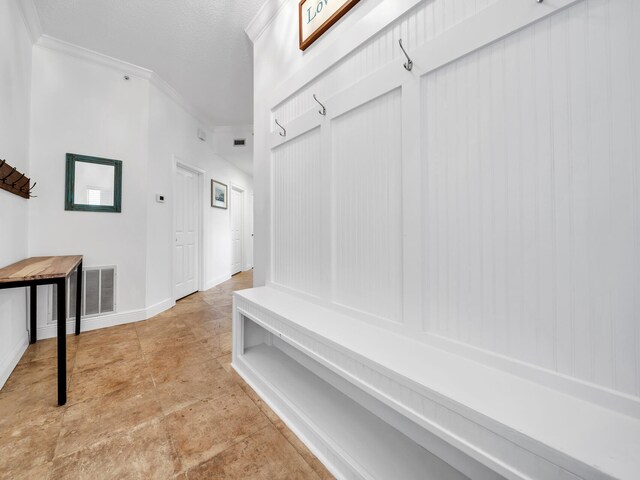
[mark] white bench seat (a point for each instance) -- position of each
(515, 427)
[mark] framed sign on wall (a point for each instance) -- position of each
(317, 16)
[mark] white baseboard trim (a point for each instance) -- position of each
(216, 281)
(159, 307)
(9, 362)
(112, 320)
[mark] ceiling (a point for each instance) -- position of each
(240, 156)
(197, 46)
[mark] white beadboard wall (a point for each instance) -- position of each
(297, 216)
(426, 21)
(367, 208)
(531, 203)
(521, 161)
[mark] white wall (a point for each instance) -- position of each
(15, 94)
(173, 136)
(277, 60)
(513, 220)
(241, 157)
(57, 99)
(85, 108)
(82, 104)
(532, 248)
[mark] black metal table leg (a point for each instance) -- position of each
(33, 301)
(62, 341)
(78, 298)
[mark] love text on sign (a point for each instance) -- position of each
(317, 16)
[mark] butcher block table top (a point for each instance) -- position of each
(40, 268)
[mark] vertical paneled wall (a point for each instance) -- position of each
(426, 21)
(298, 196)
(367, 170)
(531, 195)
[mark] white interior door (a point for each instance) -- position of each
(237, 219)
(186, 233)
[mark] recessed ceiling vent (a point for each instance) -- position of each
(239, 142)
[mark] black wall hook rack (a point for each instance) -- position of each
(14, 181)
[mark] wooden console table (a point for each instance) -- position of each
(35, 271)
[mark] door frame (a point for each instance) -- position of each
(179, 163)
(243, 192)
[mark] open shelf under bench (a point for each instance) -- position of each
(482, 421)
(374, 448)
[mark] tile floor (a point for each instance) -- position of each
(152, 400)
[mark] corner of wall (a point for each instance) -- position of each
(31, 18)
(15, 103)
(11, 359)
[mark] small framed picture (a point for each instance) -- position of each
(218, 194)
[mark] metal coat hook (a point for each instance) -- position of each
(324, 110)
(409, 65)
(24, 184)
(29, 191)
(4, 179)
(19, 178)
(284, 130)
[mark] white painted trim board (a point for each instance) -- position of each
(216, 281)
(112, 320)
(10, 361)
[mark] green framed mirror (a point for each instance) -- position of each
(93, 184)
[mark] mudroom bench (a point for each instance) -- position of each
(372, 404)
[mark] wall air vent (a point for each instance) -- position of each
(239, 142)
(98, 292)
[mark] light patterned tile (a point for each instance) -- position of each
(27, 446)
(264, 455)
(97, 355)
(121, 333)
(196, 440)
(191, 383)
(37, 371)
(164, 361)
(95, 420)
(143, 397)
(48, 348)
(106, 379)
(144, 452)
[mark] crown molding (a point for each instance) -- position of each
(158, 82)
(45, 41)
(264, 18)
(31, 18)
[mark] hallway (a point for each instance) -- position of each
(156, 399)
(405, 236)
